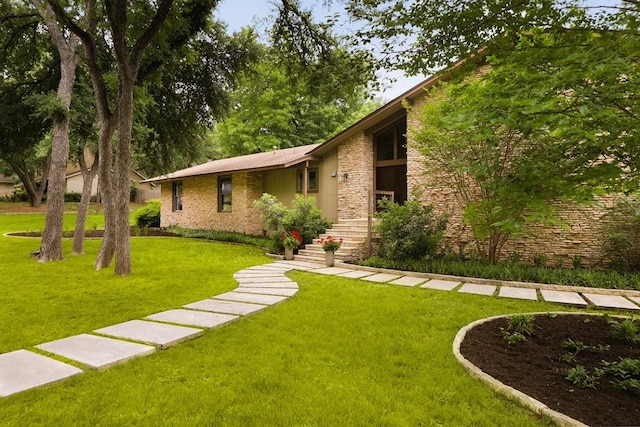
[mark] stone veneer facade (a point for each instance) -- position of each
(355, 176)
(200, 204)
(579, 236)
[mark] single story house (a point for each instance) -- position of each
(371, 159)
(144, 190)
(6, 186)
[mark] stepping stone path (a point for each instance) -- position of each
(259, 287)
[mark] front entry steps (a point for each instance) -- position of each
(354, 233)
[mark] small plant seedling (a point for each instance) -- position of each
(552, 315)
(626, 331)
(574, 346)
(569, 358)
(519, 327)
(582, 378)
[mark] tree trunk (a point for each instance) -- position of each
(105, 184)
(28, 178)
(87, 183)
(122, 170)
(51, 244)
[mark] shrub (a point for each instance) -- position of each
(72, 197)
(148, 215)
(621, 242)
(408, 231)
(304, 217)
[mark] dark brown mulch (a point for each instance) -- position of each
(535, 367)
(150, 232)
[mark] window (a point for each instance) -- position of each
(312, 180)
(391, 143)
(224, 194)
(176, 196)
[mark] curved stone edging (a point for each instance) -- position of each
(535, 405)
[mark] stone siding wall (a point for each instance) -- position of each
(577, 237)
(355, 176)
(200, 204)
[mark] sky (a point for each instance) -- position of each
(240, 13)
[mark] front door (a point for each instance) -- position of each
(390, 151)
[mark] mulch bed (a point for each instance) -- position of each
(150, 232)
(535, 366)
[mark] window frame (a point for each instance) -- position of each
(176, 199)
(300, 180)
(221, 193)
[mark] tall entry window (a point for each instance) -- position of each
(176, 196)
(224, 194)
(312, 180)
(391, 162)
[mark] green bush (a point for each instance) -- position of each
(222, 236)
(148, 215)
(72, 197)
(304, 217)
(408, 231)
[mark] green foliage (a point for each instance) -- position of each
(626, 373)
(519, 327)
(579, 376)
(304, 217)
(408, 231)
(222, 236)
(626, 331)
(621, 239)
(513, 272)
(72, 197)
(275, 108)
(148, 215)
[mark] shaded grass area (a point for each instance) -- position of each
(44, 302)
(515, 272)
(341, 352)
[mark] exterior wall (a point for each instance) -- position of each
(200, 204)
(578, 235)
(327, 195)
(355, 177)
(6, 189)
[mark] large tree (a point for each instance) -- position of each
(273, 107)
(66, 45)
(29, 71)
(555, 118)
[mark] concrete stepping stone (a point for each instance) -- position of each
(635, 299)
(269, 267)
(381, 277)
(21, 370)
(356, 274)
(264, 279)
(519, 293)
(162, 335)
(200, 319)
(96, 352)
(473, 288)
(285, 292)
(248, 297)
(332, 270)
(290, 285)
(252, 275)
(229, 307)
(409, 281)
(440, 285)
(562, 297)
(610, 301)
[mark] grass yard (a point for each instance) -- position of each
(341, 352)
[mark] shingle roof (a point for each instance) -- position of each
(5, 179)
(276, 159)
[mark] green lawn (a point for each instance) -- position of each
(341, 352)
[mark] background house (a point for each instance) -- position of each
(6, 186)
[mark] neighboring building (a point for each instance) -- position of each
(144, 190)
(6, 186)
(346, 174)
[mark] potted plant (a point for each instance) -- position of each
(290, 240)
(329, 246)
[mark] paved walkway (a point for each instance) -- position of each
(259, 287)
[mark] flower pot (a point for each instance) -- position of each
(329, 257)
(288, 253)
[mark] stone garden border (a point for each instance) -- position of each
(529, 402)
